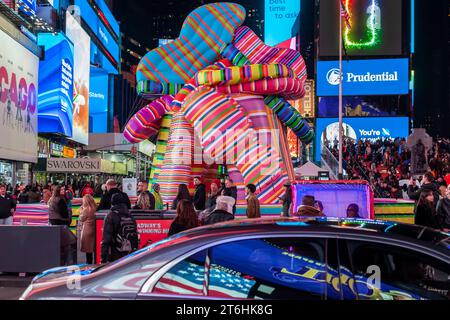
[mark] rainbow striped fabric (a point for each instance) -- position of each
(205, 33)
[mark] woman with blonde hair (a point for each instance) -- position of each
(87, 218)
(143, 202)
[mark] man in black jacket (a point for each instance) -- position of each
(7, 207)
(223, 211)
(118, 218)
(427, 184)
(111, 189)
(199, 195)
(230, 190)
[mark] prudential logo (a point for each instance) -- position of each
(333, 76)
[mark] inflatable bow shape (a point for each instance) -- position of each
(223, 100)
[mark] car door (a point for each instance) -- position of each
(387, 271)
(262, 267)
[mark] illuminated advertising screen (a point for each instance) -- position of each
(55, 99)
(375, 27)
(364, 106)
(363, 77)
(82, 68)
(94, 22)
(327, 130)
(28, 7)
(98, 101)
(19, 71)
(281, 20)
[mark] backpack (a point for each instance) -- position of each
(127, 239)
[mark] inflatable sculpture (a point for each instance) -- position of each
(220, 100)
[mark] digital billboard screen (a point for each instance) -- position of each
(366, 128)
(364, 106)
(281, 20)
(19, 71)
(55, 99)
(375, 27)
(98, 101)
(82, 48)
(363, 77)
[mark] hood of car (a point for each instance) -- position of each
(64, 272)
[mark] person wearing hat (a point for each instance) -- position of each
(223, 211)
(117, 222)
(286, 199)
(253, 208)
(111, 189)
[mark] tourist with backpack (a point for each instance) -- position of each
(120, 235)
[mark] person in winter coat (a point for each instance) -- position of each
(425, 212)
(253, 208)
(159, 203)
(286, 199)
(7, 207)
(223, 211)
(87, 190)
(183, 194)
(111, 189)
(58, 212)
(230, 190)
(119, 214)
(443, 211)
(307, 209)
(212, 197)
(427, 185)
(199, 194)
(143, 189)
(186, 218)
(87, 218)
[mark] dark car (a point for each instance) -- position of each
(283, 258)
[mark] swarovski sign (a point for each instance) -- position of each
(363, 77)
(62, 165)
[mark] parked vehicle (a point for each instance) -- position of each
(282, 258)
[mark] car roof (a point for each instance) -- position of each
(413, 233)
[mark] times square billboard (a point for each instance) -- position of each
(55, 103)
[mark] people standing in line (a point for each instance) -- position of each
(229, 189)
(143, 202)
(87, 218)
(183, 194)
(308, 209)
(111, 189)
(7, 207)
(185, 219)
(199, 194)
(443, 211)
(120, 235)
(253, 208)
(212, 197)
(223, 211)
(58, 213)
(427, 185)
(159, 203)
(286, 199)
(143, 188)
(425, 212)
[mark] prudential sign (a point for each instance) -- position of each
(363, 77)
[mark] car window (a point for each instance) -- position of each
(277, 268)
(185, 278)
(385, 272)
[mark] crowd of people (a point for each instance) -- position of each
(386, 164)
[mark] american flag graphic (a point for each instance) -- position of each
(187, 278)
(345, 14)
